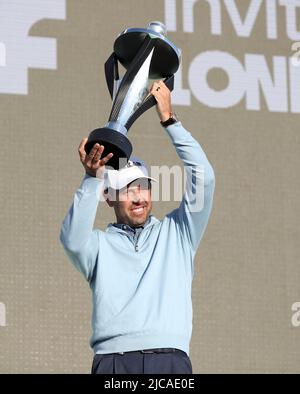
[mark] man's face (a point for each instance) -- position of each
(133, 203)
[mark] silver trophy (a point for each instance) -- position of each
(147, 55)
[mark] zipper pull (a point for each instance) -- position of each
(136, 247)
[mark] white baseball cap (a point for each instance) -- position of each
(134, 169)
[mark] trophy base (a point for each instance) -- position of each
(113, 142)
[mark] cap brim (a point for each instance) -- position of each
(128, 181)
(118, 179)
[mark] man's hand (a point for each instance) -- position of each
(93, 164)
(163, 97)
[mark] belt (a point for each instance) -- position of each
(157, 350)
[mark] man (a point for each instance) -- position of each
(140, 269)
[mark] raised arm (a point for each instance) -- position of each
(194, 210)
(193, 213)
(77, 235)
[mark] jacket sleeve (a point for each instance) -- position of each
(79, 239)
(193, 213)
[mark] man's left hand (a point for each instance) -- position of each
(163, 97)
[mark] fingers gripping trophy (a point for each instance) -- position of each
(147, 56)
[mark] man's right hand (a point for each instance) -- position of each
(93, 163)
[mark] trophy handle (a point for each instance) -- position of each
(112, 76)
(149, 102)
(111, 73)
(140, 57)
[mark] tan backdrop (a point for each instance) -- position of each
(53, 93)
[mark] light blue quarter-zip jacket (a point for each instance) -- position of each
(141, 286)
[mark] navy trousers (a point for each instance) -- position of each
(162, 361)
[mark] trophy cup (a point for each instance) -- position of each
(147, 55)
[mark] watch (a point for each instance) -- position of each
(172, 119)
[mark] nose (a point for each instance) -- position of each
(136, 194)
(136, 197)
